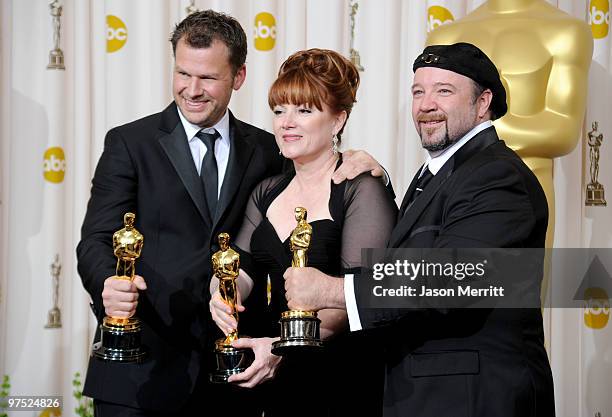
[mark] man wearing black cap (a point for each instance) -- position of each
(472, 192)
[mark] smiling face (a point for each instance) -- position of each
(303, 132)
(444, 108)
(203, 81)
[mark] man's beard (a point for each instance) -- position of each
(447, 141)
(439, 145)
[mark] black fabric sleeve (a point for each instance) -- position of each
(369, 217)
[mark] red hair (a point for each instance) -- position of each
(314, 77)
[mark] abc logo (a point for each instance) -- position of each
(596, 308)
(116, 33)
(54, 165)
(438, 16)
(264, 31)
(599, 18)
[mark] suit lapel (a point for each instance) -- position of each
(479, 142)
(414, 211)
(409, 193)
(241, 150)
(174, 143)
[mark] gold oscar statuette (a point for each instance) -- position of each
(299, 328)
(120, 336)
(595, 191)
(230, 360)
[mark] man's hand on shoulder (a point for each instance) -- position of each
(120, 296)
(354, 163)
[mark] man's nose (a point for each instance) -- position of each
(427, 103)
(194, 87)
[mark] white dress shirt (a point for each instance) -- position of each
(435, 162)
(198, 148)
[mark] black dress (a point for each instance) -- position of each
(363, 215)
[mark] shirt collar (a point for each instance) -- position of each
(436, 160)
(222, 126)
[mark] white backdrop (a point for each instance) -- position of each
(118, 68)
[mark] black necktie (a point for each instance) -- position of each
(208, 171)
(421, 184)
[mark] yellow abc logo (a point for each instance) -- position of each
(51, 412)
(438, 16)
(264, 31)
(54, 165)
(116, 33)
(599, 18)
(596, 308)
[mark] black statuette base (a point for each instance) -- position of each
(119, 343)
(230, 361)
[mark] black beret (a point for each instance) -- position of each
(466, 59)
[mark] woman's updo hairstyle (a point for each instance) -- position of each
(314, 77)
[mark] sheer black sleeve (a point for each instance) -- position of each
(369, 217)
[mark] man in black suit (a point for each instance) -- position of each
(473, 192)
(186, 173)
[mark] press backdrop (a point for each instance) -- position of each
(118, 64)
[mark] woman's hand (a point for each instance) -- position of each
(263, 367)
(221, 312)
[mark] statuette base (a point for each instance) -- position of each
(595, 195)
(230, 361)
(54, 319)
(120, 342)
(56, 60)
(300, 331)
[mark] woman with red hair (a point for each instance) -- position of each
(312, 99)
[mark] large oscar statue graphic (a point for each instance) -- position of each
(299, 328)
(120, 336)
(543, 56)
(230, 360)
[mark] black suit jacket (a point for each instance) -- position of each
(469, 362)
(147, 168)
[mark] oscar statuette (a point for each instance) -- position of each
(299, 328)
(595, 195)
(54, 317)
(354, 54)
(120, 336)
(56, 55)
(230, 360)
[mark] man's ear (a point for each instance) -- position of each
(484, 103)
(239, 77)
